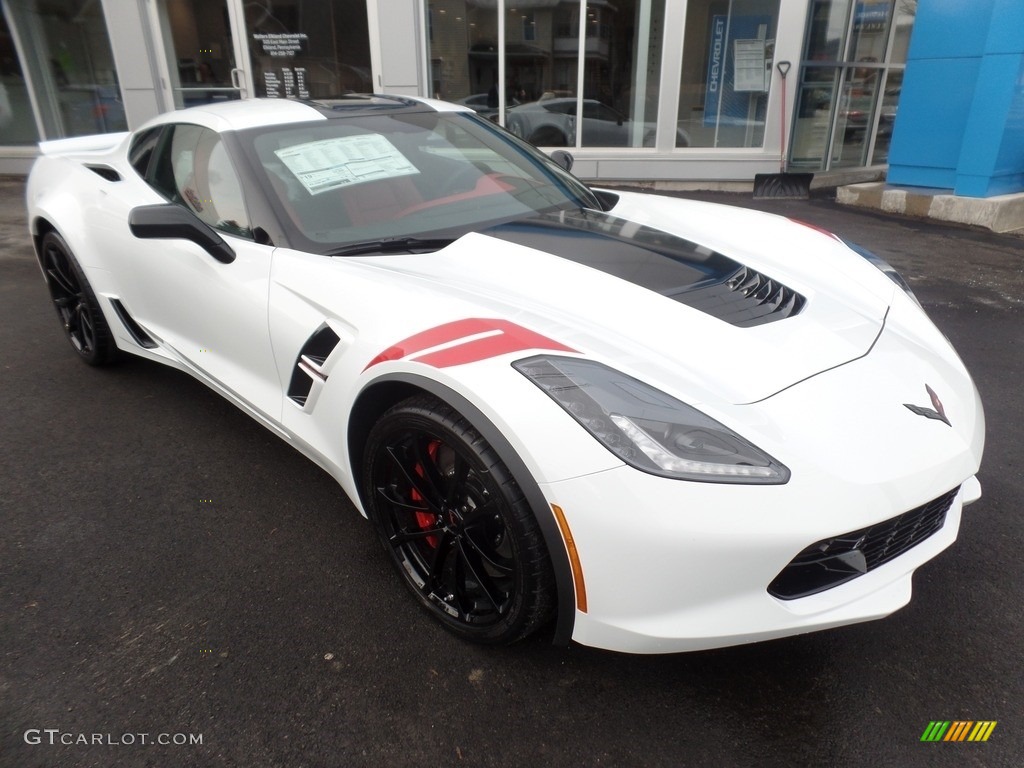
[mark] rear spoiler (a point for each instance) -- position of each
(99, 143)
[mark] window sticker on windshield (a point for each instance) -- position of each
(333, 163)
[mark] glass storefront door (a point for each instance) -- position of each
(308, 49)
(230, 49)
(850, 82)
(202, 61)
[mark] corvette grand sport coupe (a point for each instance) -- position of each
(638, 423)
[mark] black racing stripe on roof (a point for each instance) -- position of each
(677, 268)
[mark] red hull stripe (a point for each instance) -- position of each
(509, 338)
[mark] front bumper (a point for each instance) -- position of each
(671, 565)
(661, 578)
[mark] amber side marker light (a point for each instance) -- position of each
(574, 558)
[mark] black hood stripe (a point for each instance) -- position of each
(682, 270)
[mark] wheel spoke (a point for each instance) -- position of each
(431, 475)
(85, 329)
(414, 481)
(481, 580)
(457, 480)
(60, 282)
(435, 568)
(478, 515)
(482, 552)
(387, 493)
(403, 536)
(59, 271)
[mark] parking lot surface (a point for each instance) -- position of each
(169, 568)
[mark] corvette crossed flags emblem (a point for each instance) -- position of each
(935, 412)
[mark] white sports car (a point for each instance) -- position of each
(652, 425)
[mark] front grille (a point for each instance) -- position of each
(831, 562)
(745, 298)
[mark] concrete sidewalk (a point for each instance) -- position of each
(1002, 213)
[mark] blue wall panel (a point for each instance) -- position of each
(943, 30)
(961, 117)
(933, 114)
(1006, 36)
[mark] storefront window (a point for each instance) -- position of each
(850, 82)
(622, 62)
(621, 73)
(17, 125)
(70, 69)
(464, 53)
(728, 63)
(309, 49)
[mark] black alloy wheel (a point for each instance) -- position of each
(75, 302)
(456, 524)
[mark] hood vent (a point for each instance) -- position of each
(746, 298)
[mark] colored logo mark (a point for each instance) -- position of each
(958, 730)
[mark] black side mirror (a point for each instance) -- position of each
(168, 221)
(562, 159)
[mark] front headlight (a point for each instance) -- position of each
(886, 268)
(648, 429)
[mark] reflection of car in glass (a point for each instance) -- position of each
(481, 104)
(661, 424)
(552, 123)
(855, 113)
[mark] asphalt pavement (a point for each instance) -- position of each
(170, 571)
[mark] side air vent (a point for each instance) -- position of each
(309, 367)
(141, 338)
(105, 171)
(745, 298)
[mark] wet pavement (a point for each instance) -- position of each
(169, 568)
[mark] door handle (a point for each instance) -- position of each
(237, 80)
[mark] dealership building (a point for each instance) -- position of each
(671, 91)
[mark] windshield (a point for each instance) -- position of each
(368, 177)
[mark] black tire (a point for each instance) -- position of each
(456, 524)
(75, 302)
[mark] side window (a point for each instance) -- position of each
(562, 106)
(193, 170)
(593, 110)
(141, 150)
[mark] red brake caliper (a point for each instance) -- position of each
(426, 520)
